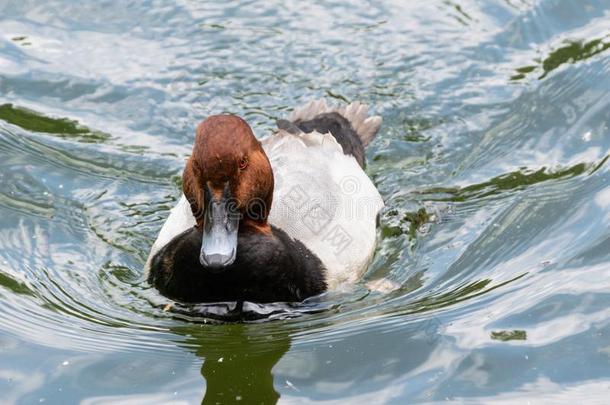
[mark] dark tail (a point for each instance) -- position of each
(350, 125)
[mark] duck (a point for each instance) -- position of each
(280, 219)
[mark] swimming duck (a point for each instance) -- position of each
(226, 241)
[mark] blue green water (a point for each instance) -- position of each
(492, 161)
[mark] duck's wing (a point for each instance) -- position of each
(180, 219)
(322, 197)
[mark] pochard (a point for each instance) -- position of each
(281, 219)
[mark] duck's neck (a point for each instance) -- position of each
(249, 225)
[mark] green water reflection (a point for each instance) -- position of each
(237, 363)
(571, 52)
(62, 127)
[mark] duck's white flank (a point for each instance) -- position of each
(321, 197)
(180, 219)
(324, 199)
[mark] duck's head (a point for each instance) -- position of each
(228, 182)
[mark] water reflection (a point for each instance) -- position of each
(61, 127)
(516, 180)
(570, 52)
(238, 361)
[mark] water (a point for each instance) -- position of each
(492, 160)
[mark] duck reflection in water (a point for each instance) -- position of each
(238, 360)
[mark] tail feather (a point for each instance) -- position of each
(356, 113)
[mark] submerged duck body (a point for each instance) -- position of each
(278, 220)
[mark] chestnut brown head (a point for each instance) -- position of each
(228, 182)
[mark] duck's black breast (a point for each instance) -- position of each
(267, 268)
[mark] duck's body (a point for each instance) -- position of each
(319, 233)
(267, 268)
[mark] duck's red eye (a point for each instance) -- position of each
(243, 163)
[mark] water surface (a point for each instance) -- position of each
(492, 160)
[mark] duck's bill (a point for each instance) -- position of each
(219, 241)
